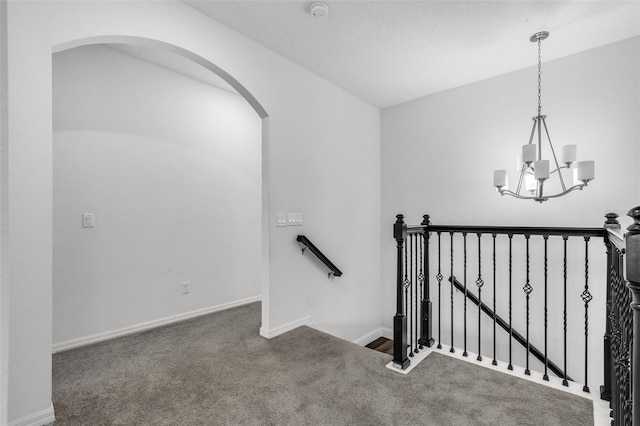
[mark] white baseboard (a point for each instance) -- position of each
(95, 338)
(368, 337)
(269, 334)
(387, 332)
(373, 335)
(318, 327)
(43, 417)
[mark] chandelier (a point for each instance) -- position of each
(534, 170)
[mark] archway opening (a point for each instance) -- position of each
(159, 189)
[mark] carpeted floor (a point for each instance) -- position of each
(217, 370)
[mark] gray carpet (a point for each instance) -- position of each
(217, 370)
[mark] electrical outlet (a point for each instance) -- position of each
(185, 287)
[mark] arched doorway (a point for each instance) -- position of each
(169, 216)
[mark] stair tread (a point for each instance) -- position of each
(382, 344)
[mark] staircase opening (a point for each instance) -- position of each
(550, 292)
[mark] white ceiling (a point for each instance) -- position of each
(390, 52)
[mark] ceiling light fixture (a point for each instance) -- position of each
(319, 10)
(534, 171)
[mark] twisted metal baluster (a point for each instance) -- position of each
(406, 283)
(421, 282)
(510, 366)
(586, 298)
(452, 278)
(416, 312)
(527, 290)
(495, 313)
(614, 316)
(546, 269)
(439, 278)
(480, 283)
(464, 237)
(627, 314)
(564, 268)
(410, 306)
(418, 301)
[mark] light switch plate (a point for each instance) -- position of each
(88, 220)
(294, 219)
(281, 219)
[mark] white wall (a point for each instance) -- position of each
(323, 161)
(4, 287)
(171, 169)
(438, 154)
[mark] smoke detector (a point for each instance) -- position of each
(319, 10)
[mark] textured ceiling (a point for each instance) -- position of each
(390, 52)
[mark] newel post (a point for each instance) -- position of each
(605, 390)
(426, 338)
(400, 358)
(633, 278)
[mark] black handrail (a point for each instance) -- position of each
(505, 326)
(308, 244)
(507, 230)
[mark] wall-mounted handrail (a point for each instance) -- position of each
(329, 264)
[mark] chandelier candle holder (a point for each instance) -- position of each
(534, 170)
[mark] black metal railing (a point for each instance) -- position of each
(513, 333)
(622, 362)
(632, 263)
(413, 321)
(307, 244)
